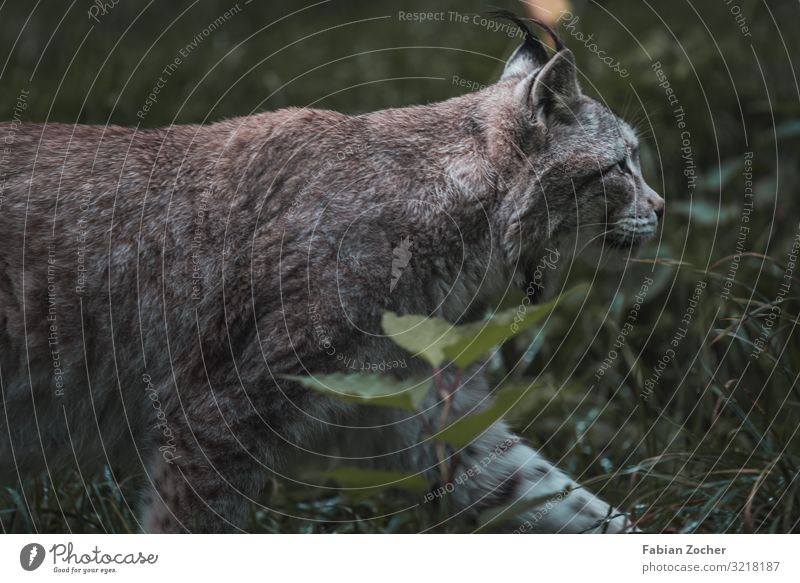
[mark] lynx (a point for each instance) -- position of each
(156, 284)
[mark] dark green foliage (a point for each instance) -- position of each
(713, 447)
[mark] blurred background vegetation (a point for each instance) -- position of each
(713, 447)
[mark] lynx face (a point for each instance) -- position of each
(614, 203)
(576, 169)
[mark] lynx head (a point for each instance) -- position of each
(566, 164)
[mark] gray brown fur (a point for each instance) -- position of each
(294, 215)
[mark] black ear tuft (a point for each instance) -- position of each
(530, 38)
(532, 42)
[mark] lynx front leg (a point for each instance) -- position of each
(498, 469)
(200, 488)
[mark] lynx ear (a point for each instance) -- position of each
(555, 89)
(530, 56)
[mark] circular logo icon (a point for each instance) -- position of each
(31, 556)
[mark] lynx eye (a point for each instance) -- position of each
(622, 166)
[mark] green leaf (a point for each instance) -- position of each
(437, 341)
(422, 336)
(367, 388)
(360, 483)
(466, 429)
(479, 338)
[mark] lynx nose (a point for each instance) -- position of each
(655, 201)
(659, 208)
